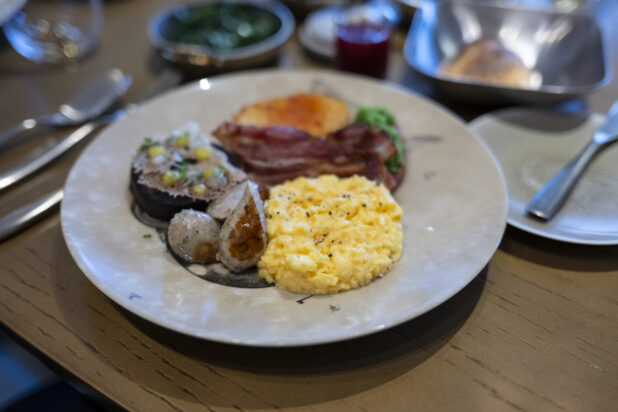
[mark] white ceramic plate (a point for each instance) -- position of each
(317, 33)
(531, 147)
(453, 197)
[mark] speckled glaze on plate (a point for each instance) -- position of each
(532, 146)
(453, 197)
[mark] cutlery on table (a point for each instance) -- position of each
(87, 103)
(24, 217)
(27, 167)
(29, 214)
(546, 203)
(32, 164)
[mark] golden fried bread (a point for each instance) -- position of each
(314, 113)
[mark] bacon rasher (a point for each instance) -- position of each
(271, 155)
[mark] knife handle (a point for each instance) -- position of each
(28, 215)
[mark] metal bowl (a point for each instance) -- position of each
(565, 51)
(408, 8)
(201, 58)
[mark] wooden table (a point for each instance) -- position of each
(536, 330)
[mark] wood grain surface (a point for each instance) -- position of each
(536, 330)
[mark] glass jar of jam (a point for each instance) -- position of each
(362, 44)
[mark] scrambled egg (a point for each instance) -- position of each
(330, 234)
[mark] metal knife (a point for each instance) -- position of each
(22, 218)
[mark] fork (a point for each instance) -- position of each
(548, 201)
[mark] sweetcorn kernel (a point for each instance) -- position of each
(183, 140)
(210, 172)
(171, 177)
(199, 188)
(203, 153)
(156, 150)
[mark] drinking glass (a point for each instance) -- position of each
(362, 40)
(55, 31)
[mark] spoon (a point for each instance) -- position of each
(546, 203)
(87, 103)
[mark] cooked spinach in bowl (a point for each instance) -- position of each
(221, 26)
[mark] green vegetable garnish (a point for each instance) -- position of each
(385, 120)
(147, 143)
(182, 167)
(193, 178)
(221, 26)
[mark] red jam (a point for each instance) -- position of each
(362, 47)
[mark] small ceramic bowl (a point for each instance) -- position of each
(564, 52)
(205, 59)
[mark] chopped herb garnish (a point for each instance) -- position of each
(192, 179)
(182, 168)
(181, 165)
(148, 143)
(147, 236)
